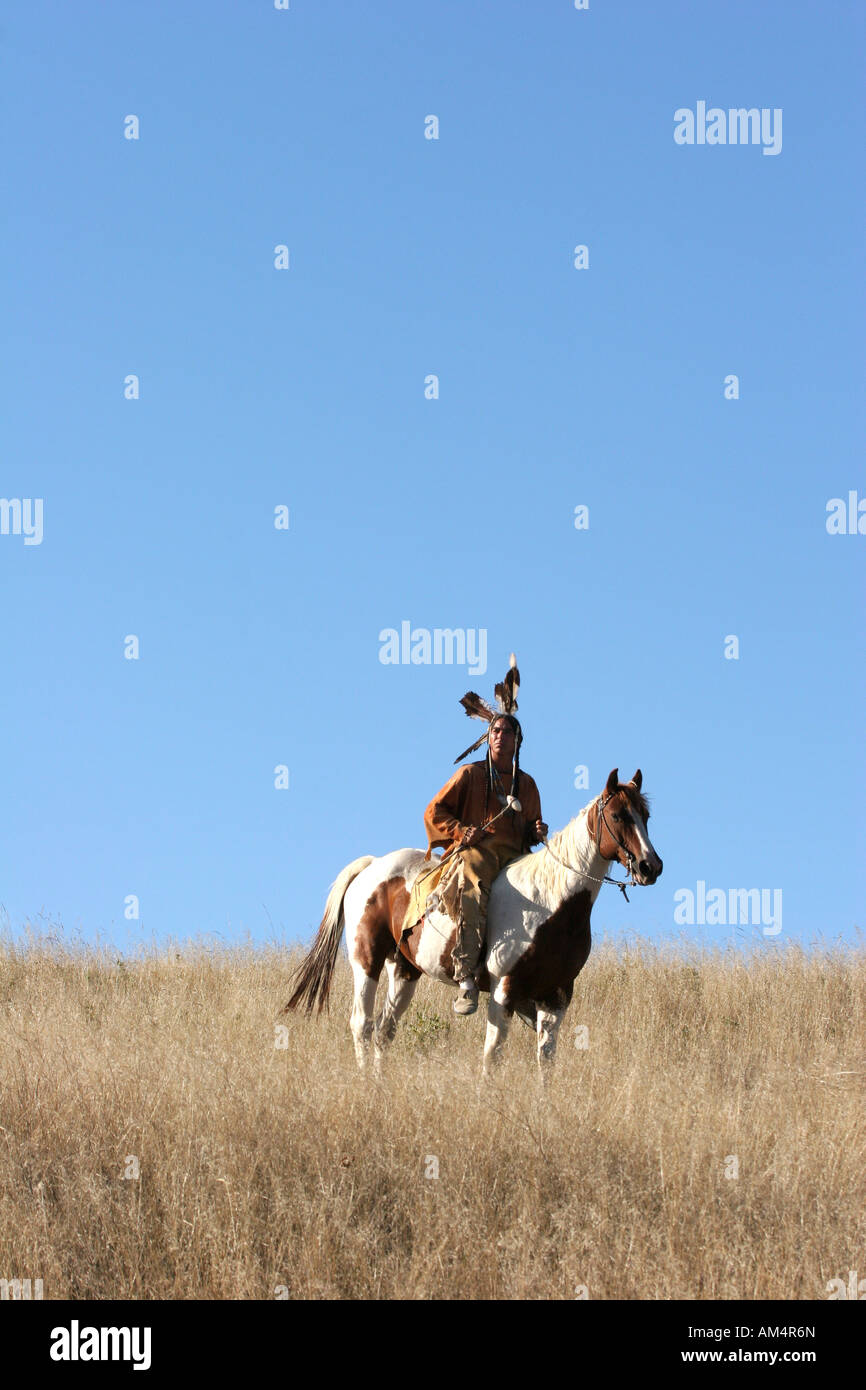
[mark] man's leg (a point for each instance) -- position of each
(480, 866)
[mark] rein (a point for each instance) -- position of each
(600, 820)
(513, 804)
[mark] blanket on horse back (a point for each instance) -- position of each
(463, 871)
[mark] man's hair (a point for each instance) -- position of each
(515, 765)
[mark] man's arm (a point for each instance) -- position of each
(531, 803)
(443, 817)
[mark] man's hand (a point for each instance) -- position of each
(541, 830)
(471, 837)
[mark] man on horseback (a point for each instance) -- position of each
(486, 815)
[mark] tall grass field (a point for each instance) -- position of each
(166, 1133)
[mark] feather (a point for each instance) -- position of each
(506, 691)
(472, 747)
(477, 708)
(506, 698)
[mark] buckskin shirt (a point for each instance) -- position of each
(462, 881)
(461, 804)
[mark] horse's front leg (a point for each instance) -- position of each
(548, 1020)
(498, 1019)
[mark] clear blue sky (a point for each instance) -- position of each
(306, 387)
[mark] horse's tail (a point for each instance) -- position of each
(312, 979)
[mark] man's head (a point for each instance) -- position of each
(504, 735)
(499, 747)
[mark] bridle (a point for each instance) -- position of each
(600, 820)
(513, 804)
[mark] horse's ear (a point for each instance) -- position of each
(636, 780)
(612, 782)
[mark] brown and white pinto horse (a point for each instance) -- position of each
(538, 936)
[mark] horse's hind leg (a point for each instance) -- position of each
(361, 1021)
(368, 944)
(402, 979)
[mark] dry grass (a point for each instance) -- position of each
(263, 1166)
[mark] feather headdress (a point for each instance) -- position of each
(505, 694)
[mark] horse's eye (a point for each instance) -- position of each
(617, 817)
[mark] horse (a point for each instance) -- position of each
(538, 934)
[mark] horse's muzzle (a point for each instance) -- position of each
(648, 870)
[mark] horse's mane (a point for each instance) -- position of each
(551, 880)
(572, 844)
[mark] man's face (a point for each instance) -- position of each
(501, 741)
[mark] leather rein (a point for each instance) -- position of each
(600, 820)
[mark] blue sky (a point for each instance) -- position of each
(558, 387)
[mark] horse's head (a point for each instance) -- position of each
(617, 822)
